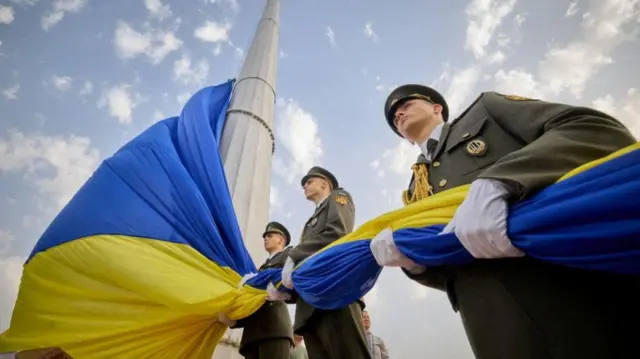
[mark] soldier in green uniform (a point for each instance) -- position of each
(508, 148)
(267, 333)
(328, 334)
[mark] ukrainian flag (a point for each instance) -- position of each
(146, 254)
(589, 219)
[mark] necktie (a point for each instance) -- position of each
(431, 146)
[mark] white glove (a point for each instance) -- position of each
(245, 278)
(387, 254)
(287, 271)
(222, 318)
(274, 294)
(480, 223)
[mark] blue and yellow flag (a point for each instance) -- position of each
(589, 219)
(146, 254)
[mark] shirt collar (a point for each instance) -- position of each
(319, 203)
(435, 134)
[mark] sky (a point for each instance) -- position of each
(79, 78)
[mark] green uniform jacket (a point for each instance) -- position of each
(333, 218)
(272, 320)
(529, 144)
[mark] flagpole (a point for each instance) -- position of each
(248, 142)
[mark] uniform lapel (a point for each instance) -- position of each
(315, 213)
(442, 141)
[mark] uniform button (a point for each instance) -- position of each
(436, 164)
(443, 182)
(466, 135)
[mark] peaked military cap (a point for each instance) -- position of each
(320, 172)
(409, 92)
(275, 227)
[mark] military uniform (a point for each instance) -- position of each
(267, 332)
(522, 308)
(329, 334)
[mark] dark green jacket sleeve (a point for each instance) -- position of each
(560, 138)
(337, 222)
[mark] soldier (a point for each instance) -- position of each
(328, 334)
(267, 333)
(508, 148)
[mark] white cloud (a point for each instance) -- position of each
(213, 31)
(605, 26)
(484, 18)
(6, 14)
(11, 93)
(517, 82)
(57, 166)
(275, 198)
(185, 73)
(158, 116)
(399, 159)
(331, 35)
(371, 298)
(239, 53)
(572, 9)
(6, 238)
(25, 3)
(10, 275)
(297, 130)
(217, 50)
(368, 32)
(62, 83)
(419, 292)
(156, 44)
(183, 98)
(626, 110)
(460, 84)
(86, 89)
(230, 4)
(496, 58)
(157, 9)
(519, 20)
(60, 7)
(121, 102)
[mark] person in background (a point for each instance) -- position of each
(298, 351)
(328, 334)
(267, 332)
(377, 348)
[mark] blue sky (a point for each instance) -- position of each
(79, 78)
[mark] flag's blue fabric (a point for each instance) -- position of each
(589, 219)
(146, 254)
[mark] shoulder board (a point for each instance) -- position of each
(515, 97)
(342, 198)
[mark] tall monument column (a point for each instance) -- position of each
(248, 140)
(248, 143)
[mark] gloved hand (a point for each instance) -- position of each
(287, 271)
(480, 223)
(222, 318)
(387, 254)
(274, 294)
(245, 278)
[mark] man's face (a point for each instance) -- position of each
(414, 115)
(314, 187)
(366, 321)
(273, 241)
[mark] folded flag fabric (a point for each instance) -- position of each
(146, 254)
(588, 219)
